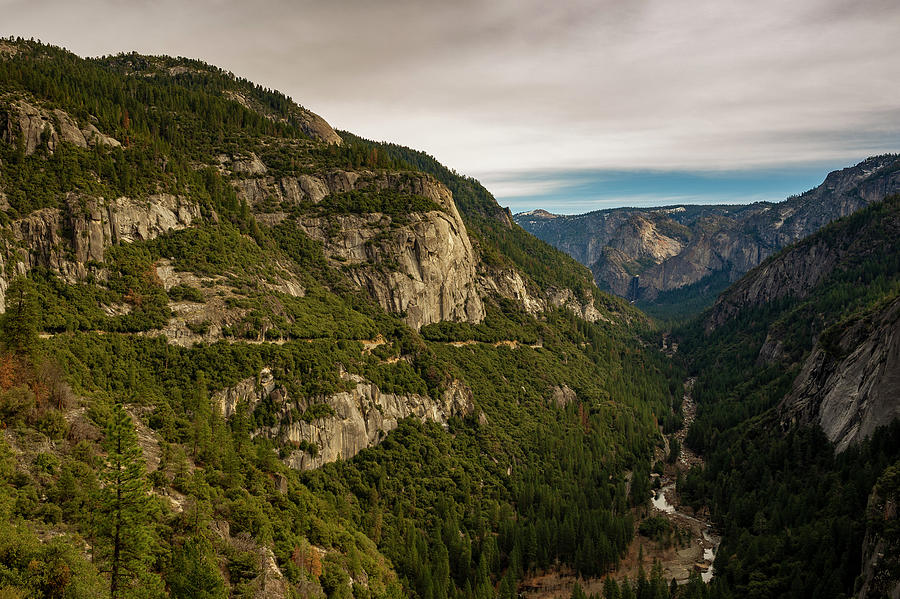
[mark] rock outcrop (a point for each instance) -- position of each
(422, 267)
(248, 165)
(639, 253)
(317, 127)
(509, 283)
(563, 396)
(33, 125)
(850, 383)
(68, 240)
(565, 298)
(358, 418)
(310, 123)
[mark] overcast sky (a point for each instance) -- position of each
(539, 98)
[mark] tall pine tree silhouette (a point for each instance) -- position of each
(124, 517)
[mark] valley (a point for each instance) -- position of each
(245, 354)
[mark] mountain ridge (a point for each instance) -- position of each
(640, 254)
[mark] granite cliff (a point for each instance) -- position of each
(339, 425)
(432, 277)
(850, 383)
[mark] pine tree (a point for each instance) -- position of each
(194, 572)
(19, 323)
(201, 430)
(123, 520)
(578, 592)
(626, 591)
(507, 587)
(610, 588)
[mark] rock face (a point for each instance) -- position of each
(67, 240)
(796, 271)
(359, 417)
(794, 274)
(433, 278)
(248, 165)
(639, 253)
(509, 284)
(850, 383)
(563, 396)
(316, 127)
(422, 267)
(31, 124)
(565, 298)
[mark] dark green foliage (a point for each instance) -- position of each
(656, 528)
(793, 483)
(791, 510)
(426, 492)
(124, 510)
(195, 573)
(210, 250)
(681, 304)
(54, 569)
(182, 293)
(134, 99)
(18, 324)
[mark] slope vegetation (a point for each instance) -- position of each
(313, 365)
(797, 411)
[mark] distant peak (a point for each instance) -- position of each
(539, 213)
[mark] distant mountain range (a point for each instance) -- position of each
(682, 256)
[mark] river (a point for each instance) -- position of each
(709, 541)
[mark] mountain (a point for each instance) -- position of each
(848, 382)
(246, 354)
(797, 413)
(685, 255)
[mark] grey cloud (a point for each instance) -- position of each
(519, 84)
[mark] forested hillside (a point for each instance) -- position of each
(245, 355)
(791, 497)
